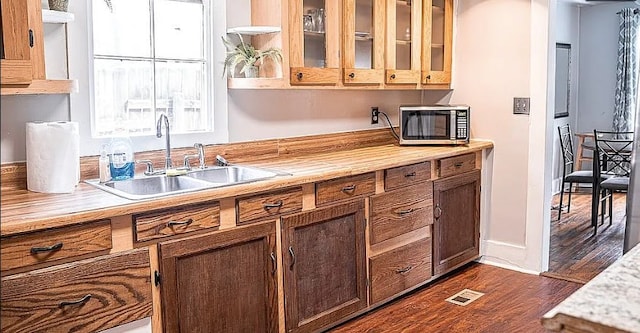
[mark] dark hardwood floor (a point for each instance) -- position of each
(574, 253)
(513, 302)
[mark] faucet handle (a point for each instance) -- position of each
(187, 165)
(150, 170)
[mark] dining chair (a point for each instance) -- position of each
(568, 174)
(612, 168)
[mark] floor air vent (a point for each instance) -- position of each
(464, 297)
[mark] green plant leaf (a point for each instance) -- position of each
(246, 55)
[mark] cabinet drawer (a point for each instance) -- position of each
(174, 221)
(345, 188)
(271, 204)
(456, 165)
(54, 244)
(406, 175)
(399, 211)
(85, 296)
(399, 269)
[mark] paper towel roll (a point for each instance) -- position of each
(53, 156)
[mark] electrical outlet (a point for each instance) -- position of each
(521, 105)
(374, 115)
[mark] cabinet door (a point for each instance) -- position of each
(221, 282)
(363, 42)
(324, 265)
(314, 45)
(456, 229)
(403, 40)
(15, 53)
(437, 41)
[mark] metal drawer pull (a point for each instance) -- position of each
(404, 270)
(81, 301)
(413, 174)
(348, 188)
(293, 258)
(459, 164)
(175, 223)
(437, 212)
(55, 247)
(277, 204)
(275, 263)
(405, 211)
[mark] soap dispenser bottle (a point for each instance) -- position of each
(103, 165)
(121, 163)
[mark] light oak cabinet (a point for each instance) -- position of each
(403, 42)
(221, 282)
(17, 40)
(363, 42)
(324, 265)
(314, 42)
(456, 228)
(437, 41)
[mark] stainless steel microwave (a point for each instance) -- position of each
(434, 124)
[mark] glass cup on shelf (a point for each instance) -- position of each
(307, 22)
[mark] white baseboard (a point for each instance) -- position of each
(505, 255)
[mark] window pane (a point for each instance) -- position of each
(180, 94)
(123, 95)
(124, 32)
(179, 29)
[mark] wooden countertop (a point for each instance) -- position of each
(24, 211)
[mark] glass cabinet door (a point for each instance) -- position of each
(314, 44)
(436, 48)
(403, 41)
(363, 47)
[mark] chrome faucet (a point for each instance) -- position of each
(200, 156)
(167, 156)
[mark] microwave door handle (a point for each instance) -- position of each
(454, 122)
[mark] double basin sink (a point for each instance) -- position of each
(198, 179)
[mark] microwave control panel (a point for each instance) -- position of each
(462, 125)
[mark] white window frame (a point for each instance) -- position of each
(80, 55)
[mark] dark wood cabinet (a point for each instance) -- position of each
(456, 227)
(324, 265)
(221, 282)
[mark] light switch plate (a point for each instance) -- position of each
(521, 105)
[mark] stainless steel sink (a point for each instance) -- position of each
(157, 186)
(231, 175)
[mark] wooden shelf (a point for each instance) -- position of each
(256, 83)
(54, 16)
(254, 30)
(41, 87)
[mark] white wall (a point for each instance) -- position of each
(598, 55)
(492, 65)
(568, 32)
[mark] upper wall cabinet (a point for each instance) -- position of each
(437, 16)
(363, 42)
(404, 32)
(314, 42)
(16, 38)
(23, 68)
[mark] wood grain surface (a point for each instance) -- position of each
(407, 175)
(394, 271)
(177, 220)
(457, 164)
(399, 211)
(55, 244)
(24, 211)
(271, 204)
(85, 296)
(345, 188)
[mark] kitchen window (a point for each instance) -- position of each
(151, 57)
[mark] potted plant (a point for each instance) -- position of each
(63, 5)
(248, 56)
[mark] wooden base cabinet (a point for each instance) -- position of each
(324, 265)
(456, 229)
(221, 282)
